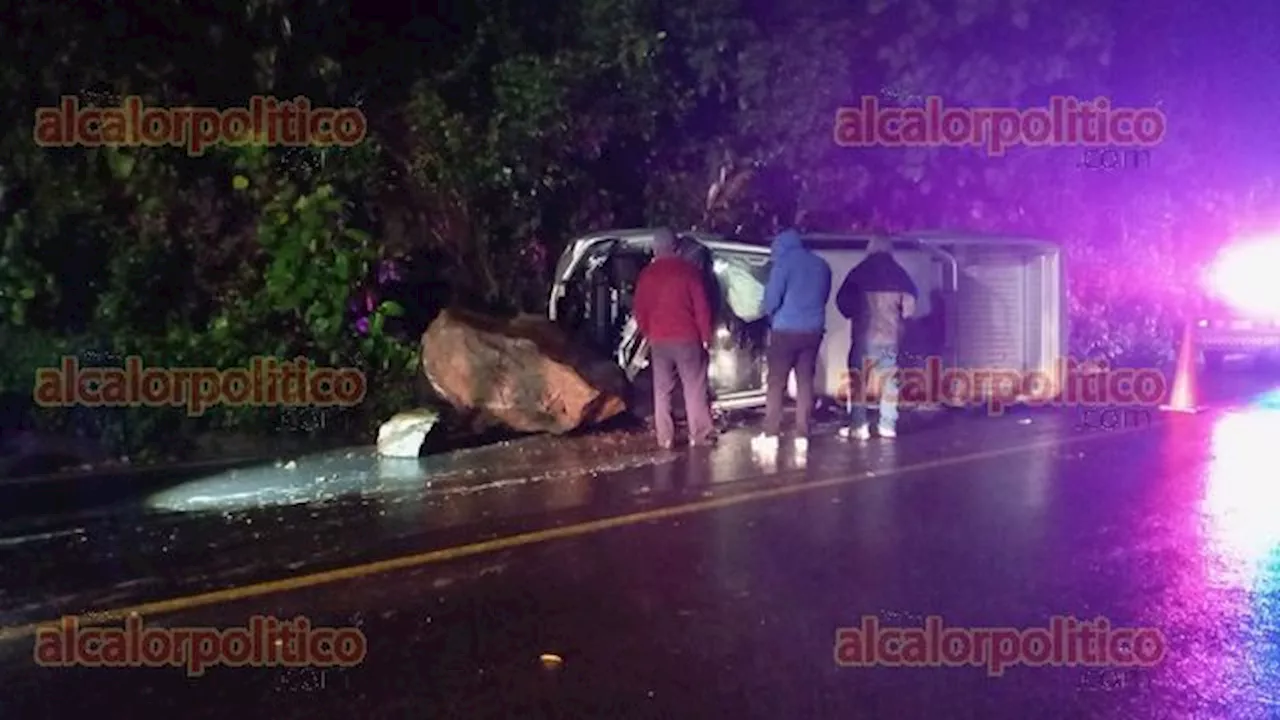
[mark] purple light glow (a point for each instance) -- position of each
(1245, 275)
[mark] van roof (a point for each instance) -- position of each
(838, 241)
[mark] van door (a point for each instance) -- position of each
(991, 310)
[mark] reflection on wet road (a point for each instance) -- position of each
(331, 509)
(716, 589)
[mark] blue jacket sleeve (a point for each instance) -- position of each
(775, 289)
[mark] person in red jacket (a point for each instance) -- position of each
(673, 312)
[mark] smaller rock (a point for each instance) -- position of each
(402, 436)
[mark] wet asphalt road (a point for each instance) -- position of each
(724, 606)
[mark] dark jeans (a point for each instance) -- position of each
(688, 362)
(790, 351)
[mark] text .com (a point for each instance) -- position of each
(266, 121)
(1066, 642)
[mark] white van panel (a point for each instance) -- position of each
(833, 359)
(991, 310)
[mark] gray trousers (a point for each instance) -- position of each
(688, 362)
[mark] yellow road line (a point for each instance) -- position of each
(538, 536)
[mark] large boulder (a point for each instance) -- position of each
(524, 372)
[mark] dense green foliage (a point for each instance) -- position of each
(500, 129)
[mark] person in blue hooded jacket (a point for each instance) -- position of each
(795, 299)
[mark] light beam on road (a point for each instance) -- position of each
(308, 479)
(1242, 499)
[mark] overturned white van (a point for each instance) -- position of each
(985, 303)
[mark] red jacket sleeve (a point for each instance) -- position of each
(701, 306)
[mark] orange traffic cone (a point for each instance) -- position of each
(1183, 397)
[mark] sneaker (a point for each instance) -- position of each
(860, 433)
(887, 432)
(764, 442)
(708, 441)
(802, 444)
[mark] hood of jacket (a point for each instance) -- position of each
(799, 285)
(880, 272)
(787, 241)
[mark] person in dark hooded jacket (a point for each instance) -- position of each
(795, 299)
(877, 296)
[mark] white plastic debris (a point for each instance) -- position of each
(402, 436)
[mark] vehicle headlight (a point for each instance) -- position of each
(1244, 275)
